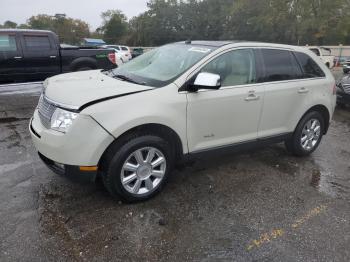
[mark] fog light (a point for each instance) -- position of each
(59, 165)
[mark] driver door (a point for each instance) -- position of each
(231, 114)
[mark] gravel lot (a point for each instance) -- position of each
(261, 205)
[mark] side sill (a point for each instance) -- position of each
(237, 147)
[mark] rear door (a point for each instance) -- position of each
(10, 57)
(286, 94)
(40, 55)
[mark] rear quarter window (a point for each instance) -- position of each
(309, 66)
(280, 65)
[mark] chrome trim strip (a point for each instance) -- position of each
(62, 105)
(256, 84)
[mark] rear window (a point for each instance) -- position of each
(309, 66)
(316, 51)
(8, 43)
(124, 48)
(280, 65)
(37, 42)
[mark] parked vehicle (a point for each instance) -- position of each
(35, 55)
(131, 124)
(121, 49)
(346, 67)
(123, 57)
(119, 58)
(325, 55)
(136, 52)
(343, 91)
(340, 61)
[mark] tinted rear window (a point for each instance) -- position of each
(280, 65)
(37, 42)
(309, 66)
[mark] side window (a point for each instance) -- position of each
(124, 48)
(8, 42)
(316, 51)
(235, 67)
(309, 66)
(280, 65)
(37, 42)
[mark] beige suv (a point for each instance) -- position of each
(131, 124)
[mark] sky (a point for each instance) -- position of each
(88, 10)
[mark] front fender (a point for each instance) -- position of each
(164, 106)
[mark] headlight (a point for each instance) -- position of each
(62, 119)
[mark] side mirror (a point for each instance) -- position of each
(206, 81)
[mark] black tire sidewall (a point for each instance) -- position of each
(113, 178)
(83, 68)
(295, 143)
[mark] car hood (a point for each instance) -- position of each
(74, 90)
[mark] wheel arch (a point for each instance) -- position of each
(160, 130)
(83, 61)
(323, 110)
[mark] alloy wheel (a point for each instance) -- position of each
(143, 170)
(310, 134)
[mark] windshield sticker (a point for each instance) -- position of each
(199, 49)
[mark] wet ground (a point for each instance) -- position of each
(262, 205)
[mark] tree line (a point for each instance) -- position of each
(313, 22)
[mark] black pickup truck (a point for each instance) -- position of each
(27, 55)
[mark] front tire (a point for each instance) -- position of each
(138, 170)
(307, 135)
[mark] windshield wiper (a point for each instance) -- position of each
(128, 79)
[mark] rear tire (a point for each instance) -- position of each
(138, 169)
(307, 135)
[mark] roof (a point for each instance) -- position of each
(220, 44)
(93, 40)
(25, 30)
(211, 43)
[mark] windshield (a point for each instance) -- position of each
(163, 65)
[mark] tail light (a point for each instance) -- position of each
(334, 89)
(111, 58)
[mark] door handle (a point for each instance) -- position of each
(52, 56)
(17, 57)
(252, 96)
(303, 90)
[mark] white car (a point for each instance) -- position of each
(124, 51)
(131, 124)
(325, 55)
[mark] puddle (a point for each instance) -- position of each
(326, 182)
(6, 120)
(21, 88)
(10, 167)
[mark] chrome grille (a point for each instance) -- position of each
(346, 88)
(46, 110)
